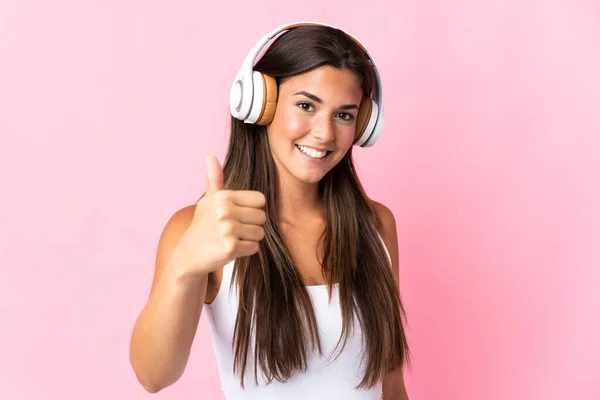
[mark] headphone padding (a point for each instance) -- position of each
(269, 100)
(363, 117)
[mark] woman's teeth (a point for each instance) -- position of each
(312, 152)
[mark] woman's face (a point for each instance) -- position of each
(314, 122)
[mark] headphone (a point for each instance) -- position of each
(253, 95)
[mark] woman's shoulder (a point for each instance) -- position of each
(388, 233)
(172, 233)
(178, 222)
(386, 217)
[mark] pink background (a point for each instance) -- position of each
(489, 160)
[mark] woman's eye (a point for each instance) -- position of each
(346, 116)
(305, 106)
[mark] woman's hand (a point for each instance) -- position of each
(226, 224)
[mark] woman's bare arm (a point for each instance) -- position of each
(393, 382)
(165, 329)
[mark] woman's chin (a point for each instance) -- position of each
(310, 177)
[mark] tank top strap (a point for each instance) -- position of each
(385, 247)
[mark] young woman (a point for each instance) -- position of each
(294, 266)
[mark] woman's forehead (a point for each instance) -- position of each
(325, 81)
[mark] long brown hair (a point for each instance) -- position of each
(275, 308)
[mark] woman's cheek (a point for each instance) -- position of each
(296, 125)
(345, 137)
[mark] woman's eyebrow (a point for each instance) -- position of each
(318, 100)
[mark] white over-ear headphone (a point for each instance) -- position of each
(253, 95)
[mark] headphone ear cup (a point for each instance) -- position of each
(376, 129)
(269, 100)
(366, 121)
(362, 119)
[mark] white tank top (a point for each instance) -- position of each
(333, 378)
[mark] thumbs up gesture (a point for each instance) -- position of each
(226, 224)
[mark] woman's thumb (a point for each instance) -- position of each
(214, 172)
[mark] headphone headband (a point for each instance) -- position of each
(241, 103)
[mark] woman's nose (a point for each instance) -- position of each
(323, 130)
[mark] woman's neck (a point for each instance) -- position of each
(297, 200)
